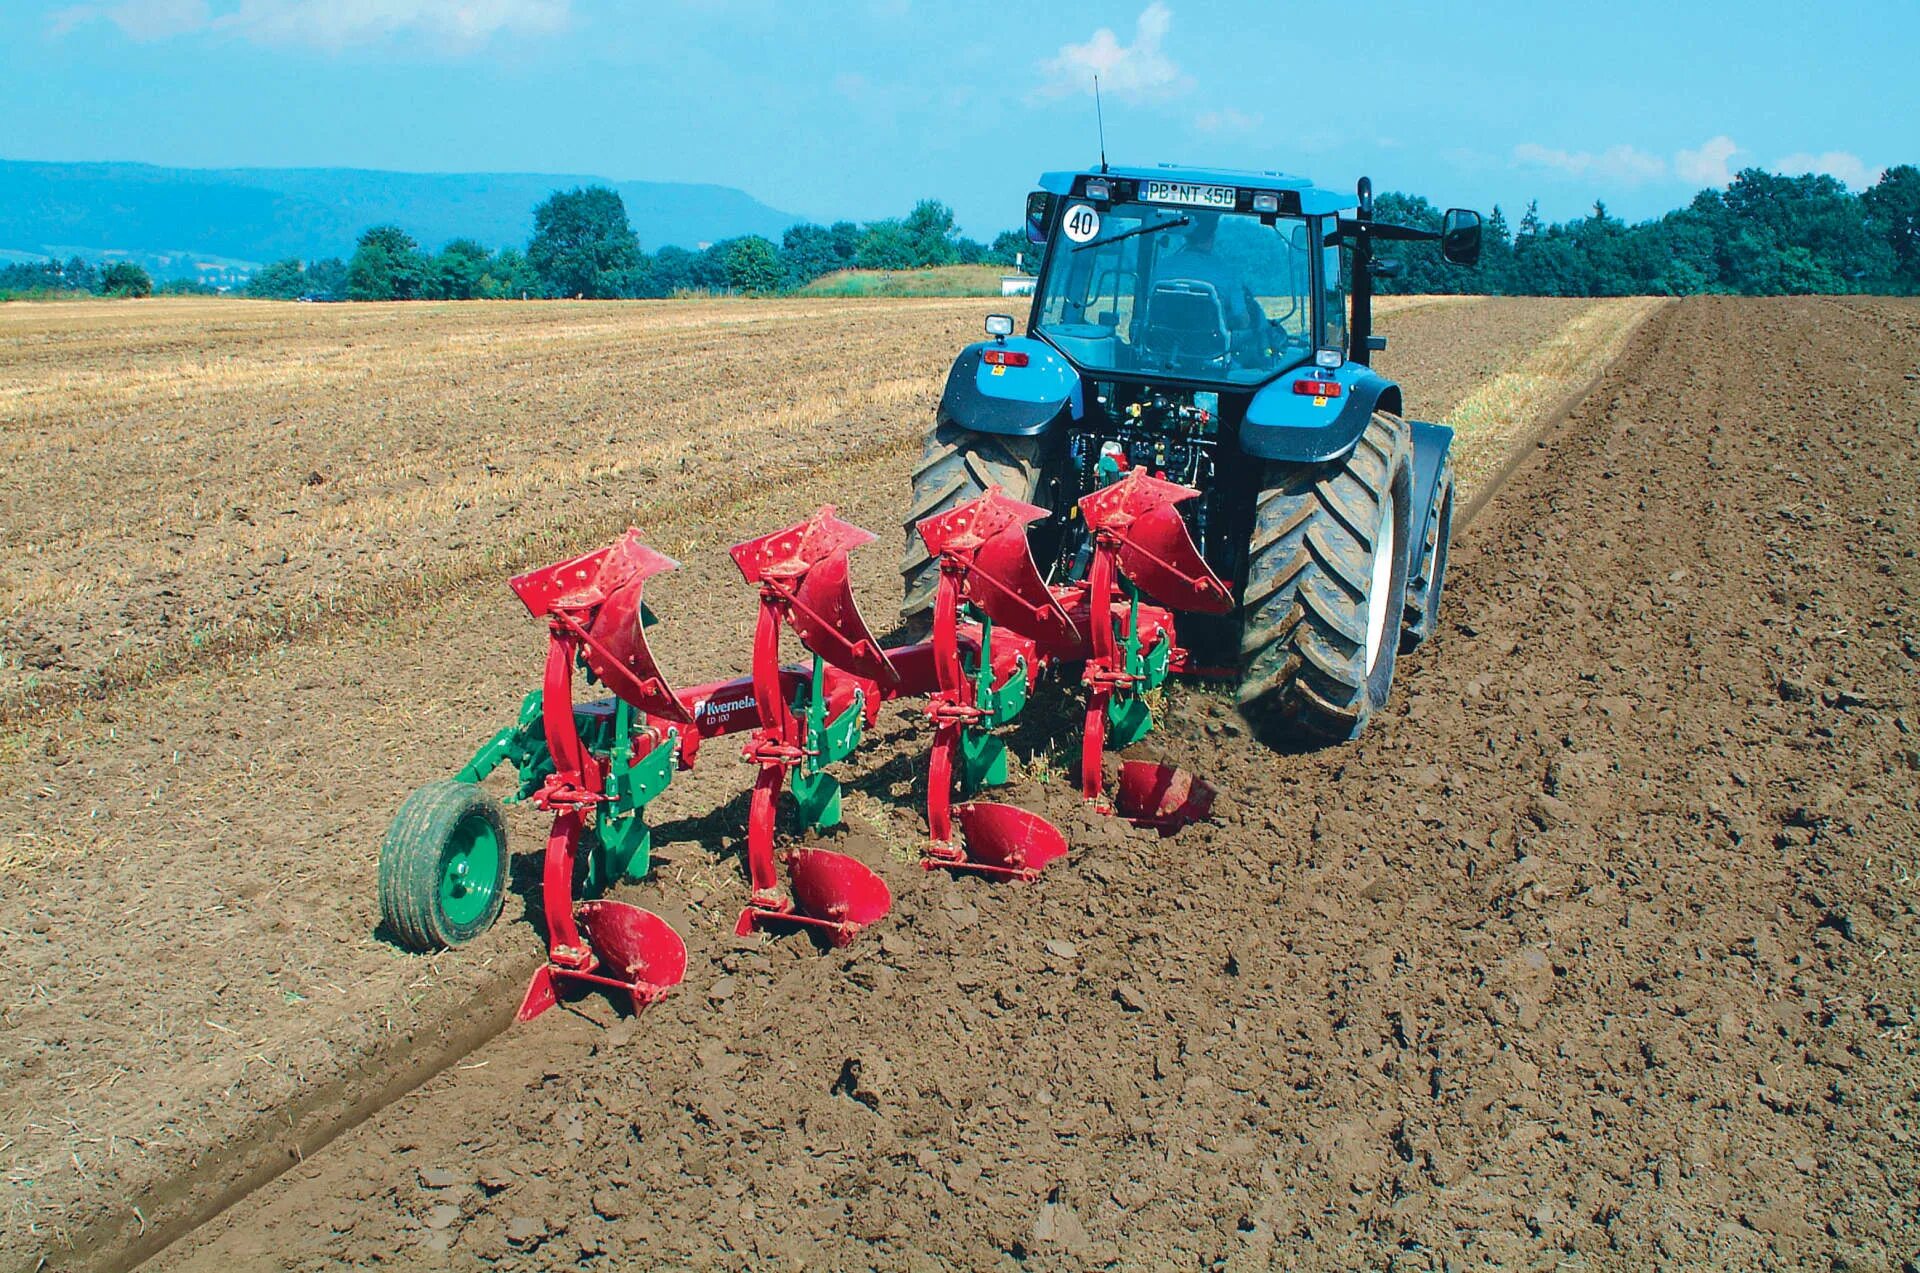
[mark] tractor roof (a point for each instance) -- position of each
(1314, 200)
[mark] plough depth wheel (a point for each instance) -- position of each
(443, 866)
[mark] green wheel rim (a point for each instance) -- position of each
(469, 870)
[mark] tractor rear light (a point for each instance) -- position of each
(1004, 358)
(1266, 203)
(1317, 388)
(1099, 191)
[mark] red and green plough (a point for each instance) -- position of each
(596, 765)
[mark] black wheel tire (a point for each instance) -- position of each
(436, 822)
(1429, 580)
(1306, 675)
(956, 465)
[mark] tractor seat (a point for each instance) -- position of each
(1186, 322)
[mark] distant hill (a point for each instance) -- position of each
(185, 221)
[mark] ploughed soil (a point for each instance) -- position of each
(195, 988)
(1602, 947)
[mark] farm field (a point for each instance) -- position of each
(191, 481)
(213, 810)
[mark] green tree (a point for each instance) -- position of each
(846, 242)
(509, 277)
(709, 272)
(583, 244)
(282, 281)
(458, 270)
(885, 245)
(809, 251)
(124, 278)
(1529, 222)
(1893, 213)
(1008, 247)
(79, 276)
(752, 264)
(674, 269)
(386, 266)
(327, 279)
(931, 234)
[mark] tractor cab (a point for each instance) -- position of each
(1225, 278)
(1212, 275)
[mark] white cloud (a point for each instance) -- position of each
(1709, 165)
(329, 24)
(1624, 165)
(1228, 120)
(1138, 70)
(1850, 168)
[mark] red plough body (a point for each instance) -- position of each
(1138, 534)
(985, 561)
(592, 605)
(802, 576)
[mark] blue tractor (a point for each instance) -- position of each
(1215, 327)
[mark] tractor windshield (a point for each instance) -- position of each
(1186, 292)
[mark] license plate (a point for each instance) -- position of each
(1191, 195)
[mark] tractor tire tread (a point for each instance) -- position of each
(1310, 570)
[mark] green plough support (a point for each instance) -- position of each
(815, 791)
(620, 845)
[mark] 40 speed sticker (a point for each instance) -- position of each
(1081, 222)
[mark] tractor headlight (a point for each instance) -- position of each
(999, 326)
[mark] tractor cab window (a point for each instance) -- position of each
(1334, 335)
(1188, 292)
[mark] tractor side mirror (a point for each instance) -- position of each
(1039, 213)
(1460, 236)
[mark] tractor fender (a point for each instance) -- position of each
(1431, 442)
(1014, 401)
(1306, 428)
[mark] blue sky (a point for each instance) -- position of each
(856, 109)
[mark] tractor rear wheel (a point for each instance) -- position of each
(1326, 589)
(957, 465)
(1424, 589)
(443, 866)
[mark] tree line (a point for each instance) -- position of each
(77, 276)
(1763, 234)
(583, 245)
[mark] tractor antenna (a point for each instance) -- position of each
(1101, 120)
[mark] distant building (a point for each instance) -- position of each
(1016, 285)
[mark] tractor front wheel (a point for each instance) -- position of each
(956, 465)
(443, 866)
(1326, 589)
